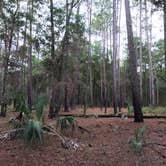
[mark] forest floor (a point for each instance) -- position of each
(106, 144)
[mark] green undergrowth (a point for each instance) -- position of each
(149, 110)
(154, 111)
(138, 140)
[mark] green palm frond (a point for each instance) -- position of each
(137, 142)
(33, 132)
(41, 103)
(66, 122)
(21, 105)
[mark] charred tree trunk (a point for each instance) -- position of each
(165, 30)
(138, 116)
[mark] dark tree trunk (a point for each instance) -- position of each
(134, 78)
(8, 45)
(78, 96)
(52, 98)
(165, 30)
(66, 107)
(30, 63)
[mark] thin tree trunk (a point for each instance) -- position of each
(134, 78)
(140, 49)
(30, 62)
(115, 102)
(151, 76)
(52, 99)
(104, 73)
(165, 31)
(118, 54)
(101, 81)
(90, 52)
(157, 92)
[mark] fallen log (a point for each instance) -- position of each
(15, 133)
(113, 116)
(11, 134)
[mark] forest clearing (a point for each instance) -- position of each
(83, 82)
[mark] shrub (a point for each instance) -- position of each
(65, 122)
(137, 142)
(155, 110)
(33, 132)
(20, 104)
(39, 106)
(130, 110)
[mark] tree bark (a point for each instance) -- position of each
(52, 98)
(8, 45)
(115, 102)
(151, 74)
(134, 78)
(90, 52)
(30, 61)
(165, 30)
(140, 49)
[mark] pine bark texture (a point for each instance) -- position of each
(134, 78)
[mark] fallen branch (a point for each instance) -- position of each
(83, 130)
(11, 134)
(66, 142)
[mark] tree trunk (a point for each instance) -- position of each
(151, 75)
(140, 49)
(52, 98)
(104, 72)
(8, 45)
(30, 62)
(134, 78)
(115, 102)
(165, 30)
(90, 52)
